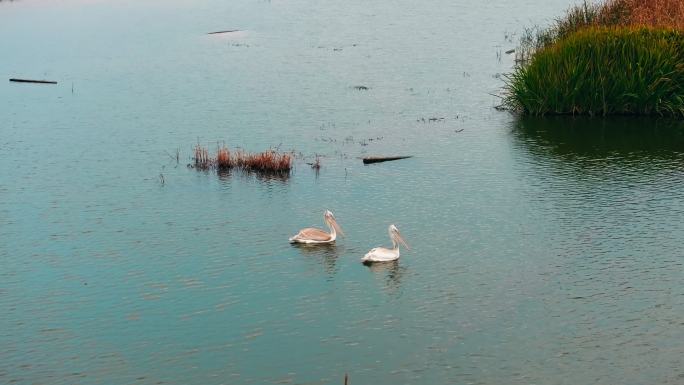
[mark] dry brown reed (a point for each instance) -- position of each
(202, 159)
(652, 13)
(656, 13)
(263, 162)
(223, 159)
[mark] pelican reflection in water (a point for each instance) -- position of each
(312, 235)
(324, 254)
(391, 272)
(382, 254)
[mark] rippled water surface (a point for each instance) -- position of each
(544, 251)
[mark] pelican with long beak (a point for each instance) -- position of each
(312, 235)
(381, 254)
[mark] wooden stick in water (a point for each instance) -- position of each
(226, 31)
(32, 81)
(378, 159)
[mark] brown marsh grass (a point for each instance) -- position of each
(640, 13)
(202, 159)
(269, 161)
(223, 159)
(657, 13)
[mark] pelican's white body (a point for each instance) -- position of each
(312, 235)
(382, 254)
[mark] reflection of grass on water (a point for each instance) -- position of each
(226, 175)
(616, 137)
(620, 57)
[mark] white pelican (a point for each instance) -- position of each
(381, 254)
(313, 236)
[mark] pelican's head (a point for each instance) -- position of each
(332, 222)
(395, 235)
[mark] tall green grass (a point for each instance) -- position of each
(602, 71)
(607, 14)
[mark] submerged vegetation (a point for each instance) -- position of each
(263, 162)
(617, 57)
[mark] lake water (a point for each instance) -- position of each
(544, 251)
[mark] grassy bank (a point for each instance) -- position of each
(618, 57)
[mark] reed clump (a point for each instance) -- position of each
(615, 57)
(202, 159)
(668, 14)
(269, 161)
(263, 161)
(223, 159)
(602, 71)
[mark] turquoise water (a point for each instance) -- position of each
(543, 251)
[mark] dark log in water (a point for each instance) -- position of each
(226, 31)
(32, 81)
(378, 159)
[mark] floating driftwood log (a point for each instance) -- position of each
(378, 159)
(32, 81)
(226, 31)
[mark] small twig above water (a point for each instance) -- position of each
(175, 156)
(316, 165)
